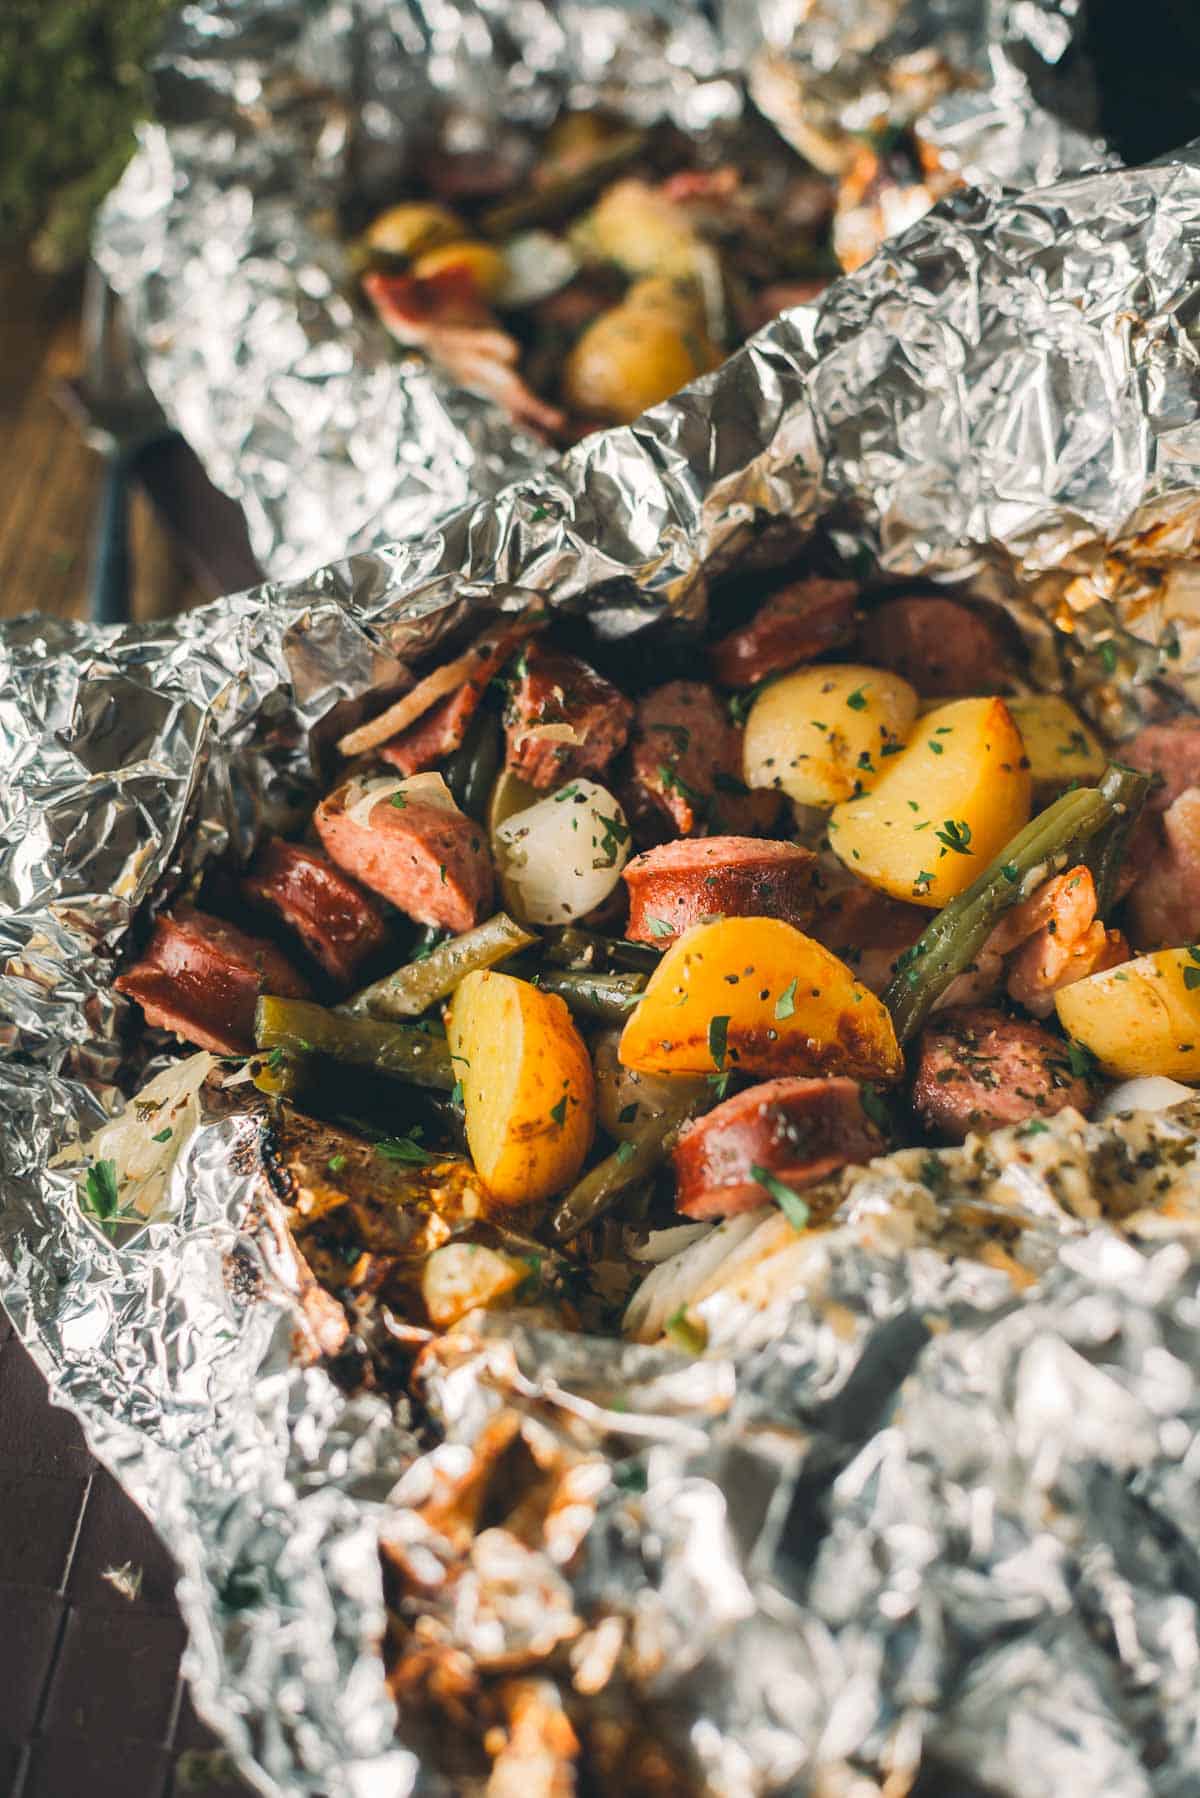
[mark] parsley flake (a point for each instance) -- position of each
(660, 927)
(163, 1135)
(718, 1040)
(955, 834)
(785, 1005)
(788, 1200)
(559, 1112)
(857, 701)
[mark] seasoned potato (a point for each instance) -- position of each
(640, 229)
(758, 996)
(413, 226)
(825, 733)
(1142, 1017)
(485, 264)
(629, 360)
(464, 1276)
(942, 808)
(1059, 745)
(527, 1086)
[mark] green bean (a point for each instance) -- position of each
(610, 997)
(400, 1051)
(413, 988)
(952, 941)
(563, 193)
(630, 1163)
(571, 947)
(1126, 790)
(471, 771)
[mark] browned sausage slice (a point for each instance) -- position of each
(429, 860)
(687, 769)
(1169, 751)
(563, 720)
(200, 977)
(945, 649)
(679, 884)
(799, 622)
(979, 1070)
(435, 736)
(799, 1130)
(334, 919)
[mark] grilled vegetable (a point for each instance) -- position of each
(413, 988)
(402, 1052)
(629, 1164)
(827, 733)
(1059, 745)
(1140, 1018)
(610, 997)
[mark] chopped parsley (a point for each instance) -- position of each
(405, 1149)
(660, 927)
(456, 1093)
(785, 1005)
(1082, 1062)
(559, 1112)
(336, 1163)
(788, 1201)
(100, 1188)
(399, 800)
(1076, 744)
(857, 701)
(923, 882)
(1108, 657)
(936, 747)
(1011, 873)
(1191, 976)
(876, 1107)
(626, 1152)
(955, 834)
(616, 833)
(163, 1135)
(718, 1040)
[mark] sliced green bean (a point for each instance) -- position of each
(1053, 839)
(610, 997)
(400, 1051)
(416, 986)
(630, 1163)
(471, 771)
(572, 947)
(1126, 790)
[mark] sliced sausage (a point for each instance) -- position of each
(1164, 905)
(679, 884)
(799, 622)
(979, 1070)
(426, 858)
(200, 977)
(868, 931)
(337, 922)
(687, 769)
(945, 649)
(562, 720)
(799, 1130)
(1171, 752)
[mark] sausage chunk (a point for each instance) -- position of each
(337, 922)
(429, 739)
(799, 1130)
(679, 884)
(428, 859)
(1171, 752)
(687, 769)
(799, 622)
(1164, 906)
(979, 1070)
(200, 977)
(945, 649)
(563, 720)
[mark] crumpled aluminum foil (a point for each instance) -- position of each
(221, 237)
(925, 1518)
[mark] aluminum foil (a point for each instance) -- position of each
(914, 1516)
(222, 241)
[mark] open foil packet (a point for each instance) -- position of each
(923, 1510)
(222, 238)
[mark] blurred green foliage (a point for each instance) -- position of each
(73, 84)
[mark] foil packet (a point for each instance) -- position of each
(221, 239)
(922, 1515)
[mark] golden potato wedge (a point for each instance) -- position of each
(942, 808)
(629, 360)
(827, 733)
(413, 226)
(527, 1086)
(1142, 1017)
(758, 996)
(481, 261)
(1060, 746)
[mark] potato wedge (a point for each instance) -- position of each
(943, 807)
(1060, 746)
(757, 996)
(527, 1086)
(827, 733)
(1142, 1017)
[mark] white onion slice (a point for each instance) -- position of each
(562, 857)
(362, 796)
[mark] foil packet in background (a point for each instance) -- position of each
(908, 1517)
(221, 239)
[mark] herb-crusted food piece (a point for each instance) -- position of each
(424, 855)
(828, 733)
(978, 1070)
(1142, 1017)
(713, 1006)
(201, 977)
(800, 621)
(680, 884)
(687, 769)
(799, 1131)
(946, 649)
(562, 719)
(338, 923)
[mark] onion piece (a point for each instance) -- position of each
(561, 858)
(362, 796)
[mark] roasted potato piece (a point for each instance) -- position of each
(757, 996)
(484, 263)
(1059, 745)
(629, 360)
(640, 229)
(826, 733)
(942, 808)
(1142, 1017)
(412, 227)
(527, 1086)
